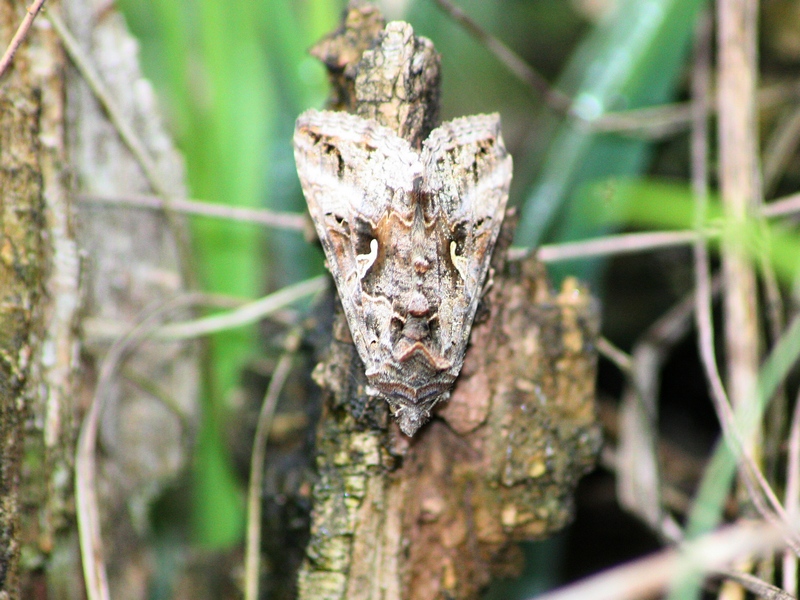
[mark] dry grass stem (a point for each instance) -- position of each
(87, 506)
(624, 243)
(786, 206)
(739, 179)
(781, 148)
(648, 577)
(244, 315)
(638, 480)
(759, 587)
(257, 216)
(240, 315)
(615, 354)
(740, 191)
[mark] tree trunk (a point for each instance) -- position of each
(62, 261)
(23, 268)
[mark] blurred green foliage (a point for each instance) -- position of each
(233, 75)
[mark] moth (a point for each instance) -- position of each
(408, 235)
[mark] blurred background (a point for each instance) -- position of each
(232, 77)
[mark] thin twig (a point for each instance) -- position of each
(129, 137)
(268, 218)
(558, 101)
(19, 36)
(787, 205)
(253, 545)
(244, 314)
(624, 243)
(760, 588)
(781, 146)
(638, 485)
(629, 243)
(655, 122)
(615, 354)
(740, 187)
(752, 476)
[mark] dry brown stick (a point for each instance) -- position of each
(787, 205)
(253, 542)
(647, 577)
(740, 190)
(701, 93)
(625, 243)
(704, 319)
(19, 36)
(737, 23)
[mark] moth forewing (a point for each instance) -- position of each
(408, 237)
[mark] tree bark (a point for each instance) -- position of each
(438, 515)
(56, 142)
(23, 267)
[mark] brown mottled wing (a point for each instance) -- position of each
(353, 171)
(467, 175)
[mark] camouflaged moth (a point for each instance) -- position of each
(408, 235)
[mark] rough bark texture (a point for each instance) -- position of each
(22, 270)
(437, 515)
(46, 487)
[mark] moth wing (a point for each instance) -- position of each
(353, 171)
(468, 174)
